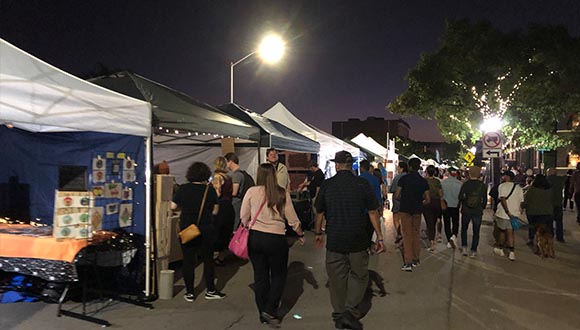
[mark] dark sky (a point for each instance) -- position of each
(346, 59)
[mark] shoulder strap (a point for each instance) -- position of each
(508, 196)
(202, 203)
(511, 191)
(257, 213)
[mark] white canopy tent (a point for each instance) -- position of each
(371, 145)
(38, 97)
(329, 144)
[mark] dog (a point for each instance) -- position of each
(544, 242)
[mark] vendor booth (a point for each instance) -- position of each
(74, 157)
(329, 144)
(276, 135)
(184, 129)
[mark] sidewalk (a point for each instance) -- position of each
(448, 291)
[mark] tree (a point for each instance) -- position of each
(528, 78)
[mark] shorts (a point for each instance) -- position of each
(503, 224)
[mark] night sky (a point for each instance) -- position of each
(346, 59)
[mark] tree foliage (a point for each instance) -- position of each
(529, 78)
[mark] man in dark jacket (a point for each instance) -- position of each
(345, 200)
(473, 198)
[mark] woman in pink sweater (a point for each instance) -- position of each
(267, 244)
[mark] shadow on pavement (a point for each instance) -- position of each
(366, 304)
(297, 275)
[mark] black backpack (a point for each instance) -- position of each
(248, 182)
(473, 200)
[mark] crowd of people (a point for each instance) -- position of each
(348, 210)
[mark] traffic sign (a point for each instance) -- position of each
(492, 140)
(491, 153)
(469, 157)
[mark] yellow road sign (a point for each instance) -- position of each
(469, 157)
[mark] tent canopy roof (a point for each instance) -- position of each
(176, 112)
(327, 142)
(370, 144)
(276, 134)
(39, 97)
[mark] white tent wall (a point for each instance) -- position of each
(180, 157)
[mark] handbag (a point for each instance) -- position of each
(239, 243)
(516, 223)
(192, 231)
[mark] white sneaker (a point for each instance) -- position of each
(498, 252)
(473, 254)
(512, 256)
(449, 245)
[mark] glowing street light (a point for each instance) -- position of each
(491, 124)
(271, 50)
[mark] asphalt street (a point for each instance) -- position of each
(448, 291)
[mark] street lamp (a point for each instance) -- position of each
(271, 50)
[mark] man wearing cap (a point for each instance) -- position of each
(345, 200)
(451, 187)
(511, 197)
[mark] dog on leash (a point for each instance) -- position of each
(544, 242)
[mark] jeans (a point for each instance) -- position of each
(558, 220)
(451, 222)
(269, 257)
(348, 277)
(465, 220)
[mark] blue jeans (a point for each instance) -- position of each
(465, 220)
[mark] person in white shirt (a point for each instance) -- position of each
(451, 187)
(511, 197)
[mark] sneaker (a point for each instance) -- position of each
(498, 252)
(407, 268)
(439, 240)
(449, 245)
(214, 295)
(415, 263)
(271, 320)
(473, 254)
(464, 251)
(452, 242)
(512, 256)
(189, 297)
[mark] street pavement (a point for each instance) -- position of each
(447, 291)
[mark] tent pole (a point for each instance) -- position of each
(148, 217)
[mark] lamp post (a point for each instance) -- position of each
(271, 50)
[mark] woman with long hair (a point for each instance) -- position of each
(224, 220)
(270, 204)
(190, 199)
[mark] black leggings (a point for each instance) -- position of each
(269, 257)
(202, 246)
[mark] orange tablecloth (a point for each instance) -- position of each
(20, 246)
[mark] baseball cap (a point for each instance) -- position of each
(343, 157)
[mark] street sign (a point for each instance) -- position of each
(492, 140)
(491, 153)
(469, 157)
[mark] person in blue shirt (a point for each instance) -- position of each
(365, 173)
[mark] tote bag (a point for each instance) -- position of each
(239, 243)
